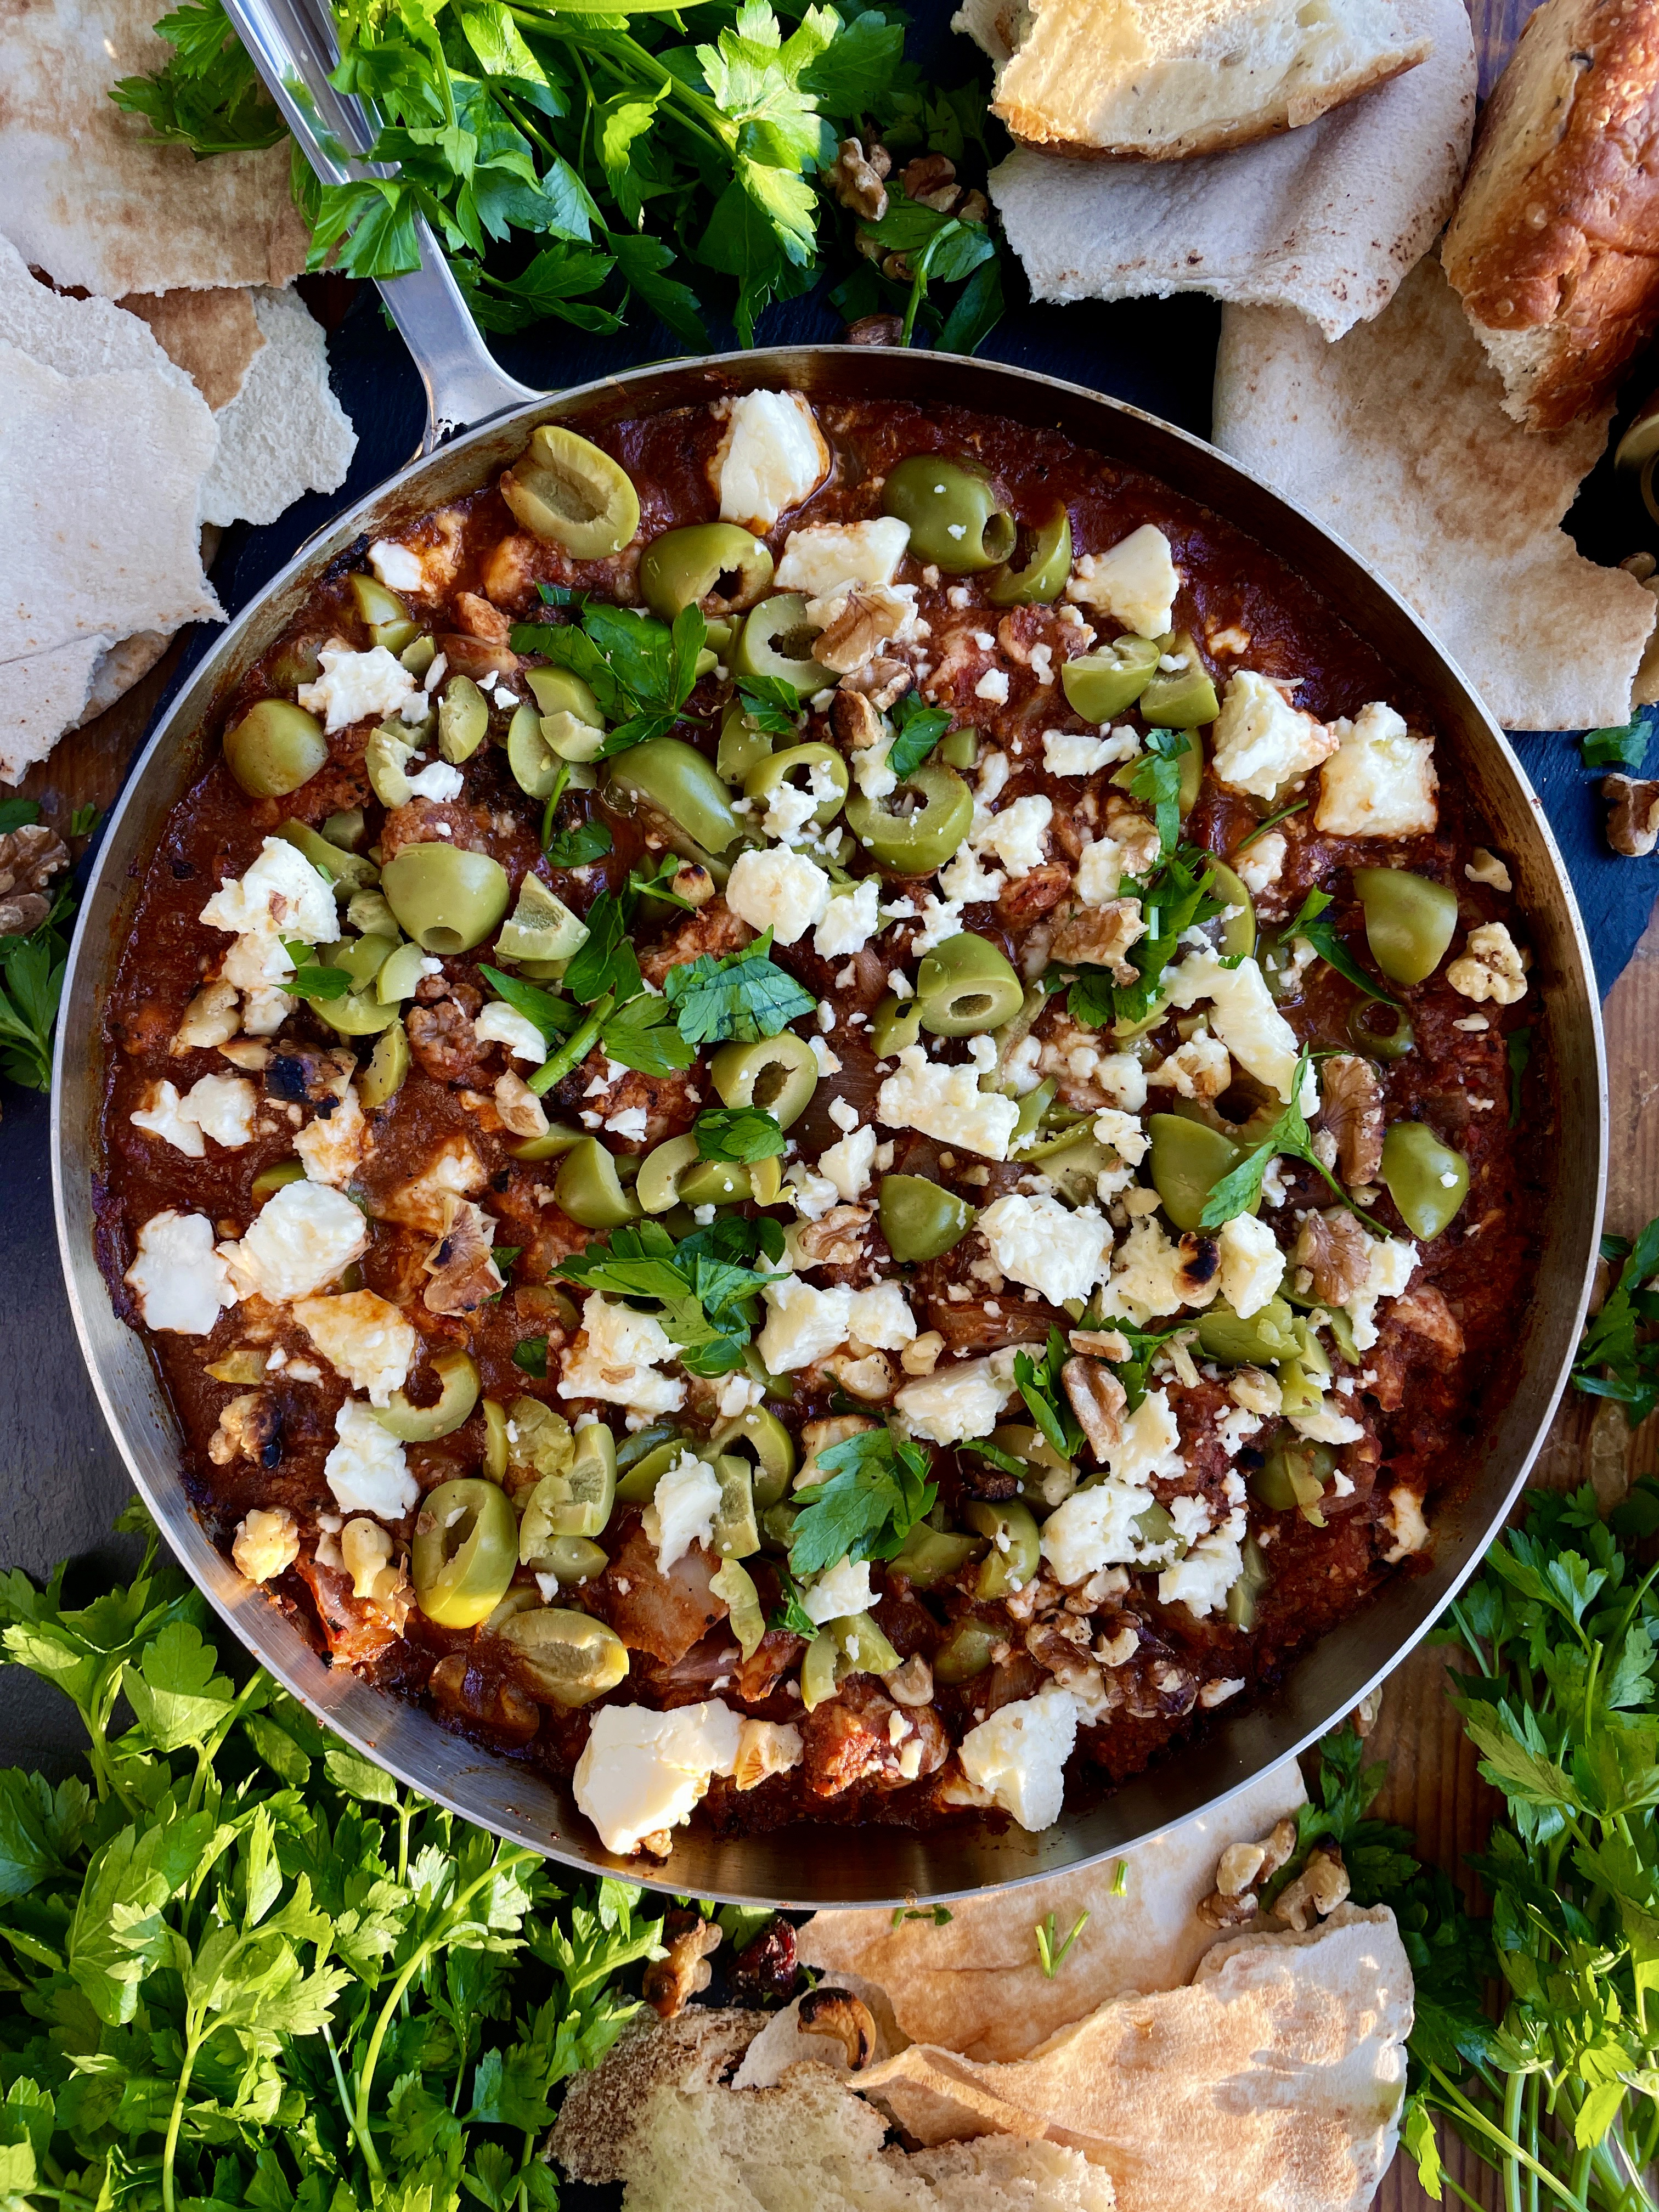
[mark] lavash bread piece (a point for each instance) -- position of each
(1396, 438)
(1164, 79)
(1326, 220)
(975, 1986)
(1274, 2081)
(212, 336)
(1551, 247)
(656, 2117)
(284, 432)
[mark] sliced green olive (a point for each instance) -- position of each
(716, 566)
(763, 1436)
(1269, 1336)
(1384, 1032)
(447, 899)
(575, 1502)
(1245, 1595)
(541, 925)
(588, 1189)
(940, 812)
(959, 749)
(573, 741)
(1100, 685)
(778, 1074)
(658, 1184)
(966, 1651)
(1016, 1547)
(367, 913)
(1050, 1476)
(419, 655)
(965, 985)
(565, 1657)
(742, 747)
(1075, 1168)
(538, 1440)
(737, 1533)
(1295, 1474)
(357, 1013)
(714, 1182)
(1409, 921)
(399, 974)
(852, 1644)
(272, 1179)
(362, 957)
(345, 829)
(920, 1219)
(745, 1615)
(956, 521)
(534, 763)
(244, 1366)
(562, 691)
(572, 1560)
(568, 492)
(1188, 1161)
(896, 1024)
(674, 780)
(811, 763)
(390, 622)
(1427, 1181)
(466, 1550)
(349, 872)
(777, 640)
(928, 1557)
(459, 1387)
(1043, 578)
(495, 1450)
(1156, 1529)
(556, 1142)
(1190, 757)
(275, 748)
(388, 1064)
(637, 1483)
(386, 758)
(463, 719)
(1028, 1130)
(1239, 929)
(1303, 1377)
(1179, 698)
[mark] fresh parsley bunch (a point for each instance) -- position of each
(703, 1290)
(1617, 1358)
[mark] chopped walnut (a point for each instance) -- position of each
(29, 858)
(1491, 966)
(1318, 1889)
(249, 1428)
(1097, 1399)
(694, 883)
(881, 681)
(1633, 815)
(1100, 1343)
(911, 1683)
(932, 179)
(1352, 1113)
(1100, 936)
(1337, 1254)
(854, 721)
(1366, 1714)
(479, 619)
(521, 1110)
(1137, 835)
(834, 1242)
(1239, 1866)
(462, 1267)
(1240, 1873)
(848, 2017)
(266, 1543)
(670, 1984)
(868, 1375)
(871, 615)
(855, 177)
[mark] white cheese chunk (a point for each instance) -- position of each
(1043, 1244)
(1259, 868)
(880, 1317)
(500, 1023)
(1149, 1445)
(1201, 1581)
(354, 685)
(947, 1104)
(1324, 1425)
(1081, 752)
(181, 1282)
(267, 1544)
(1146, 1277)
(439, 780)
(993, 687)
(955, 1403)
(848, 1165)
(780, 890)
(222, 1107)
(1393, 1264)
(1252, 1265)
(839, 1590)
(643, 1771)
(1019, 1755)
(397, 569)
(1261, 741)
(1018, 834)
(331, 1145)
(682, 1509)
(771, 457)
(367, 1469)
(802, 1324)
(1405, 1517)
(364, 1337)
(851, 919)
(827, 558)
(305, 1236)
(164, 1115)
(1380, 782)
(1244, 1017)
(281, 896)
(1097, 1528)
(617, 1356)
(1135, 583)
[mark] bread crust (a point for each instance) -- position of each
(1556, 237)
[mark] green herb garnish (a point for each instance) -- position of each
(1051, 1946)
(739, 1133)
(917, 730)
(1625, 748)
(704, 1289)
(1613, 1361)
(740, 997)
(640, 670)
(1322, 936)
(1156, 779)
(1517, 1050)
(1290, 1136)
(310, 980)
(874, 1491)
(1038, 1384)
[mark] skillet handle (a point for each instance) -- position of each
(293, 45)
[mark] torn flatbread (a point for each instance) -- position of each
(212, 336)
(41, 695)
(284, 434)
(1326, 220)
(1396, 438)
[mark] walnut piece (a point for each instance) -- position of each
(834, 1242)
(854, 720)
(932, 179)
(249, 1428)
(881, 681)
(29, 858)
(911, 1682)
(267, 1544)
(1352, 1113)
(670, 1984)
(1097, 1399)
(463, 1270)
(871, 615)
(1633, 815)
(1491, 966)
(874, 331)
(840, 2014)
(855, 177)
(1100, 936)
(521, 1110)
(1317, 1890)
(1337, 1252)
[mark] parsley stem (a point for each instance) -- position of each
(522, 122)
(561, 777)
(1476, 2118)
(1262, 828)
(575, 1047)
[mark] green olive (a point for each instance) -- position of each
(928, 1557)
(588, 1189)
(399, 974)
(275, 748)
(562, 691)
(1179, 698)
(1245, 1595)
(1383, 1031)
(915, 843)
(714, 1182)
(808, 763)
(960, 748)
(1187, 1160)
(345, 829)
(920, 1219)
(367, 913)
(388, 1064)
(1239, 929)
(1409, 921)
(566, 492)
(463, 719)
(1190, 757)
(1050, 1476)
(1076, 1167)
(896, 1024)
(852, 1644)
(716, 566)
(1099, 685)
(1269, 1336)
(465, 1551)
(1016, 1548)
(1043, 578)
(966, 1651)
(361, 958)
(556, 1142)
(349, 872)
(272, 1179)
(447, 899)
(762, 1434)
(390, 622)
(955, 522)
(565, 1657)
(742, 747)
(658, 1184)
(745, 1615)
(571, 1559)
(1156, 1529)
(386, 758)
(1427, 1181)
(737, 1533)
(541, 925)
(674, 780)
(778, 1074)
(1294, 1476)
(357, 1013)
(777, 640)
(495, 1450)
(419, 655)
(575, 1502)
(965, 985)
(459, 1387)
(1027, 1131)
(534, 763)
(568, 738)
(637, 1483)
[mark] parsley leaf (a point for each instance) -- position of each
(1322, 936)
(640, 670)
(1614, 1360)
(1627, 748)
(1156, 779)
(741, 1134)
(1039, 1384)
(704, 1287)
(769, 704)
(791, 1616)
(874, 1492)
(918, 729)
(1178, 898)
(17, 814)
(530, 1354)
(740, 997)
(606, 961)
(1238, 1190)
(1144, 1344)
(84, 821)
(555, 1017)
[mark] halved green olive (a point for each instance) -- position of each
(745, 1615)
(349, 872)
(575, 1502)
(1049, 1477)
(447, 899)
(674, 780)
(1188, 1161)
(388, 1064)
(960, 748)
(852, 1644)
(1245, 1595)
(1427, 1181)
(541, 925)
(1016, 1548)
(361, 958)
(658, 1187)
(588, 1189)
(1239, 929)
(390, 622)
(399, 974)
(1156, 1529)
(272, 1179)
(345, 829)
(637, 1483)
(742, 747)
(714, 1182)
(1409, 921)
(1304, 1375)
(966, 1651)
(534, 763)
(385, 759)
(562, 691)
(737, 1533)
(1269, 1336)
(357, 1013)
(463, 719)
(955, 522)
(1043, 578)
(928, 1557)
(1294, 1476)
(1075, 1168)
(811, 763)
(915, 843)
(367, 913)
(1099, 685)
(920, 1219)
(466, 1550)
(717, 566)
(275, 748)
(419, 655)
(568, 1658)
(777, 640)
(553, 1145)
(495, 1450)
(1383, 1031)
(572, 1560)
(1179, 698)
(573, 741)
(764, 1436)
(778, 1074)
(965, 985)
(459, 1387)
(568, 492)
(896, 1024)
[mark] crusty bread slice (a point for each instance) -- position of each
(1552, 246)
(1160, 79)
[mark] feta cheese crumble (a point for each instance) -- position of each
(643, 1771)
(617, 1356)
(1043, 1244)
(838, 1591)
(500, 1023)
(946, 1104)
(1135, 583)
(1018, 1756)
(771, 457)
(304, 1238)
(1252, 1265)
(1380, 782)
(780, 890)
(366, 1470)
(682, 1509)
(827, 558)
(353, 686)
(364, 1337)
(179, 1280)
(1261, 741)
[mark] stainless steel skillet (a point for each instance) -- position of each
(823, 1865)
